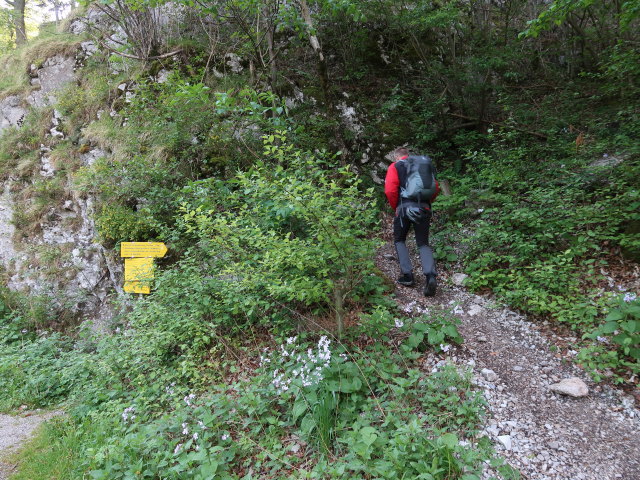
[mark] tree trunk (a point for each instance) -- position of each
(273, 68)
(18, 22)
(338, 305)
(317, 48)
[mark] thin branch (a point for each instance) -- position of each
(134, 57)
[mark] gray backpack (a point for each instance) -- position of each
(421, 179)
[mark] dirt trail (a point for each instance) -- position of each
(14, 431)
(546, 436)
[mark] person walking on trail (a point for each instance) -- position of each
(410, 187)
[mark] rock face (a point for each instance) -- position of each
(56, 72)
(63, 261)
(58, 257)
(458, 279)
(7, 250)
(574, 387)
(12, 112)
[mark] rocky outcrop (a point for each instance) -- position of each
(7, 229)
(63, 261)
(12, 112)
(58, 257)
(56, 72)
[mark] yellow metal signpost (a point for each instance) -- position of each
(138, 264)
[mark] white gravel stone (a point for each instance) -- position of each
(573, 387)
(505, 440)
(459, 279)
(489, 375)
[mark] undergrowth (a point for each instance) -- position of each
(544, 226)
(268, 348)
(240, 364)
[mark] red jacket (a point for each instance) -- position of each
(392, 186)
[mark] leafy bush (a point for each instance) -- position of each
(617, 340)
(295, 230)
(349, 411)
(526, 245)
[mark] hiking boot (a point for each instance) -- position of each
(430, 286)
(406, 279)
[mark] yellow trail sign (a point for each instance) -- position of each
(143, 249)
(138, 264)
(136, 287)
(138, 273)
(138, 269)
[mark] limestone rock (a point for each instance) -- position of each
(459, 279)
(505, 440)
(475, 310)
(92, 155)
(88, 48)
(574, 387)
(11, 112)
(7, 229)
(163, 76)
(56, 72)
(607, 161)
(489, 375)
(234, 62)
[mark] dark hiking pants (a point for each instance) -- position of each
(401, 226)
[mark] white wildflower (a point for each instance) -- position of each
(195, 436)
(189, 398)
(445, 348)
(307, 368)
(399, 323)
(224, 437)
(128, 414)
(408, 308)
(185, 429)
(264, 359)
(177, 449)
(630, 297)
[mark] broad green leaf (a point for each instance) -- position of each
(368, 435)
(449, 440)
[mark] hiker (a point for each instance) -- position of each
(410, 187)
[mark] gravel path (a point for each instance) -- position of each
(14, 430)
(545, 435)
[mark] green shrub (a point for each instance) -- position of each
(617, 340)
(294, 230)
(117, 223)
